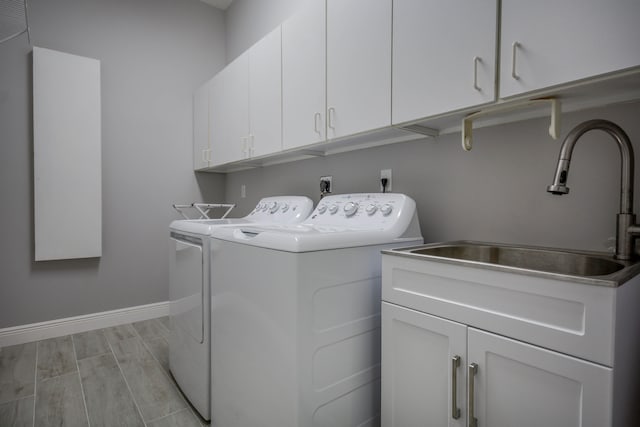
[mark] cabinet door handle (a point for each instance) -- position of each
(473, 370)
(204, 155)
(332, 112)
(455, 364)
(251, 145)
(514, 50)
(209, 155)
(476, 61)
(316, 117)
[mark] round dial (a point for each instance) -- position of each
(322, 209)
(284, 207)
(371, 209)
(333, 209)
(273, 207)
(386, 209)
(350, 208)
(265, 207)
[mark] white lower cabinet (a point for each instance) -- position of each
(436, 372)
(417, 372)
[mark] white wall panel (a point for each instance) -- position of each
(67, 156)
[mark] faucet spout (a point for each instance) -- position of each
(626, 219)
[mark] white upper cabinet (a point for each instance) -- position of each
(229, 112)
(201, 151)
(550, 42)
(303, 76)
(444, 56)
(246, 104)
(358, 66)
(265, 96)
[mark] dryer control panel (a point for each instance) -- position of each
(281, 209)
(363, 210)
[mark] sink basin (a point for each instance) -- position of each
(549, 260)
(595, 268)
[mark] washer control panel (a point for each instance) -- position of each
(358, 210)
(282, 209)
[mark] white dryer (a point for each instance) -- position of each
(296, 314)
(189, 291)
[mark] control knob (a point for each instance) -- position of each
(333, 209)
(371, 209)
(273, 207)
(386, 209)
(284, 207)
(322, 209)
(350, 209)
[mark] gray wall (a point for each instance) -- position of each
(495, 192)
(153, 54)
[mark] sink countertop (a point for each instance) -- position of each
(615, 279)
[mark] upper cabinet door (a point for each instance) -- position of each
(201, 151)
(265, 95)
(358, 66)
(444, 56)
(550, 42)
(229, 112)
(303, 76)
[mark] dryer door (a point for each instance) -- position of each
(186, 286)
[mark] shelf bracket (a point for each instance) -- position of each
(554, 127)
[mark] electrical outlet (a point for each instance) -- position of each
(385, 173)
(326, 184)
(243, 191)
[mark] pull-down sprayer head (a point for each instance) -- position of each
(560, 179)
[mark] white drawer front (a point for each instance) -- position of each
(573, 318)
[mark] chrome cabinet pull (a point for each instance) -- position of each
(514, 49)
(455, 364)
(473, 370)
(332, 111)
(316, 117)
(476, 60)
(252, 147)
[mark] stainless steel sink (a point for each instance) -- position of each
(593, 267)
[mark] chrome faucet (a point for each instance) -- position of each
(626, 228)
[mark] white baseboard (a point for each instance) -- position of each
(87, 322)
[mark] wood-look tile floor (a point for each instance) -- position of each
(117, 376)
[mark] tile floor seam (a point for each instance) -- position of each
(35, 385)
(166, 374)
(92, 357)
(173, 382)
(84, 398)
(135, 402)
(168, 415)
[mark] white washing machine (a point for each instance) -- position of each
(296, 314)
(189, 292)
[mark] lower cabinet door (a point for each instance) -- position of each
(422, 385)
(517, 384)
